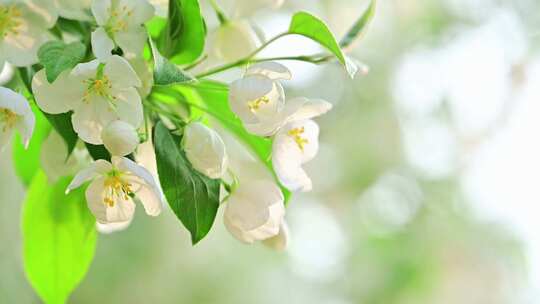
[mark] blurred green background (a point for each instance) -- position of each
(424, 187)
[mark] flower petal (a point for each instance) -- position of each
(132, 41)
(60, 96)
(129, 106)
(26, 126)
(102, 44)
(86, 70)
(302, 108)
(101, 11)
(120, 138)
(97, 168)
(280, 241)
(13, 101)
(270, 69)
(112, 227)
(142, 11)
(205, 150)
(89, 119)
(121, 73)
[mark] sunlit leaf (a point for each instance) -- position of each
(359, 27)
(165, 72)
(57, 56)
(59, 238)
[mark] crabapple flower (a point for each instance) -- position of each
(259, 100)
(113, 187)
(280, 241)
(205, 150)
(255, 211)
(120, 23)
(233, 40)
(23, 30)
(294, 145)
(74, 9)
(120, 138)
(97, 94)
(15, 112)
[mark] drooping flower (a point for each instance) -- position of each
(255, 211)
(280, 241)
(259, 100)
(205, 150)
(233, 40)
(121, 23)
(114, 186)
(294, 145)
(120, 138)
(23, 30)
(15, 112)
(74, 9)
(97, 94)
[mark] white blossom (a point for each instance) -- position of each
(233, 40)
(15, 113)
(294, 145)
(120, 138)
(23, 30)
(255, 211)
(113, 187)
(96, 94)
(205, 150)
(120, 23)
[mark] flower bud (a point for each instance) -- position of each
(120, 138)
(255, 211)
(234, 40)
(205, 150)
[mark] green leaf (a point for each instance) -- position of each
(59, 238)
(63, 125)
(359, 27)
(27, 161)
(98, 152)
(185, 33)
(57, 56)
(165, 72)
(213, 98)
(193, 197)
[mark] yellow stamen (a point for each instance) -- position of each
(9, 20)
(117, 22)
(296, 134)
(8, 118)
(100, 87)
(254, 105)
(116, 188)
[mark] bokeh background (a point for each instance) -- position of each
(426, 188)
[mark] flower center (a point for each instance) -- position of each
(98, 87)
(296, 134)
(8, 119)
(118, 20)
(116, 188)
(9, 20)
(254, 105)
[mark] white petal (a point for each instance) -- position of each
(21, 49)
(97, 168)
(112, 227)
(60, 96)
(102, 44)
(26, 126)
(121, 212)
(101, 10)
(272, 70)
(142, 10)
(129, 106)
(5, 137)
(85, 70)
(233, 41)
(89, 119)
(280, 241)
(255, 211)
(74, 9)
(205, 150)
(14, 102)
(120, 138)
(121, 73)
(150, 194)
(132, 41)
(303, 108)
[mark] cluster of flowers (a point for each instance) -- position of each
(106, 98)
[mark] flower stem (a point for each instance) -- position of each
(243, 61)
(219, 12)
